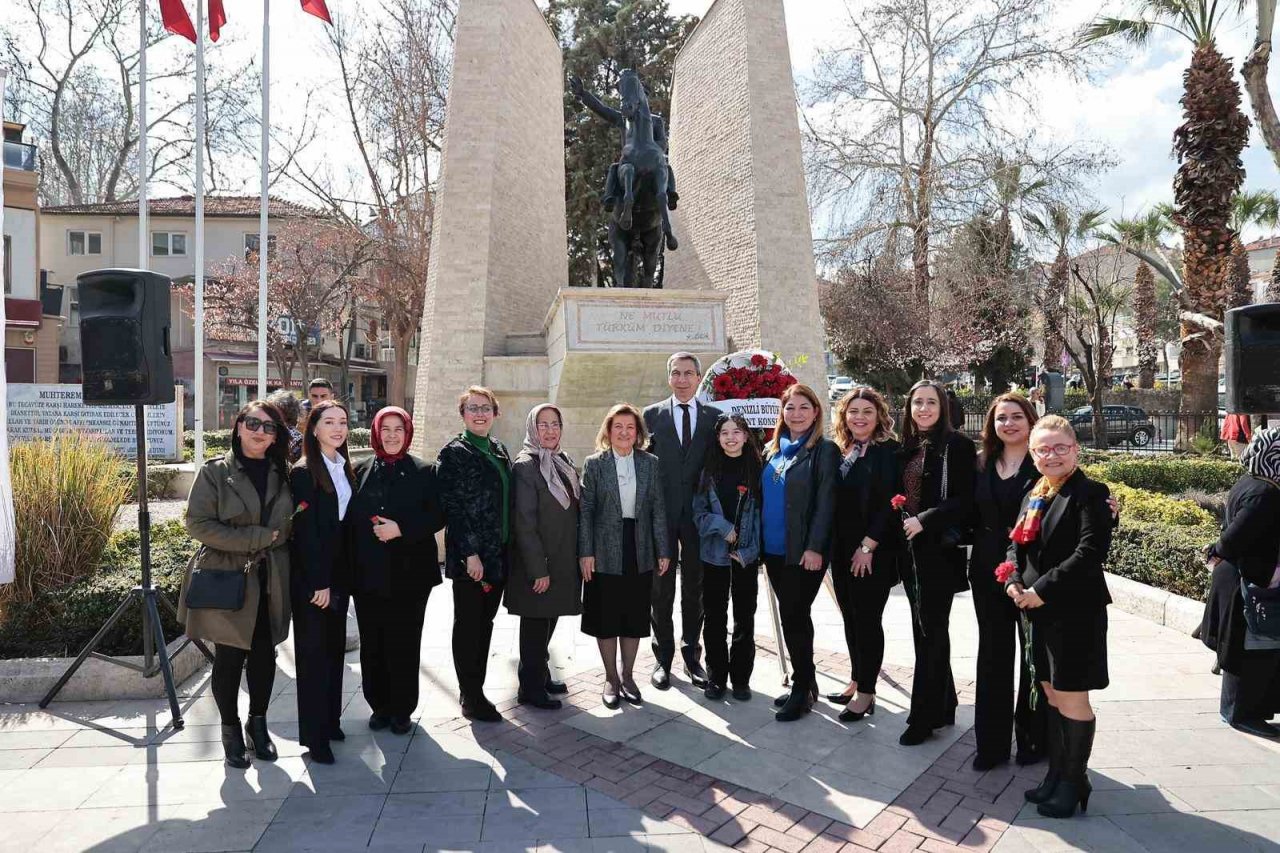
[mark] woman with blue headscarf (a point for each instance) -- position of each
(1246, 563)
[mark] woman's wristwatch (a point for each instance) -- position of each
(864, 549)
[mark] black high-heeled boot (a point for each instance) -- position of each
(1073, 788)
(258, 739)
(798, 703)
(236, 756)
(1053, 737)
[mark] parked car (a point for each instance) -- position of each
(1125, 424)
(838, 387)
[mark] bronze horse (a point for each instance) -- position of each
(640, 187)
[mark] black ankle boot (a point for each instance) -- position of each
(233, 746)
(797, 704)
(258, 739)
(1053, 738)
(1073, 788)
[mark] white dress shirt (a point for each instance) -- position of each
(625, 466)
(341, 486)
(677, 415)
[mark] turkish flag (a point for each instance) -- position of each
(217, 18)
(317, 8)
(176, 20)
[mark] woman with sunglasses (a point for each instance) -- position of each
(323, 484)
(239, 511)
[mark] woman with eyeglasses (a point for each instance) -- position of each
(545, 583)
(474, 474)
(323, 484)
(239, 511)
(395, 513)
(1058, 547)
(938, 465)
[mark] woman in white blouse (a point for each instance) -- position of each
(322, 483)
(622, 541)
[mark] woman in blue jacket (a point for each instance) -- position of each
(726, 510)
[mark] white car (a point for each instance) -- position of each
(839, 386)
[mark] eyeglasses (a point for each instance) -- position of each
(254, 424)
(1059, 450)
(548, 427)
(478, 410)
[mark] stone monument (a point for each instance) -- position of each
(499, 308)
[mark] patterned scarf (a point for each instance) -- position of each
(1028, 528)
(1262, 457)
(556, 467)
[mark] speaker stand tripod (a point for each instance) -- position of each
(155, 654)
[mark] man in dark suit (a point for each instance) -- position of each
(680, 431)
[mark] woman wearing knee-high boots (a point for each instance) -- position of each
(1006, 474)
(395, 513)
(867, 542)
(322, 484)
(545, 583)
(798, 502)
(938, 466)
(1058, 548)
(239, 511)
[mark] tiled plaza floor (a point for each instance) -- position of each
(679, 774)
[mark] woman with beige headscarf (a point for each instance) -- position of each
(545, 583)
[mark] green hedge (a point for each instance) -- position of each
(1168, 476)
(1163, 555)
(58, 623)
(218, 441)
(1142, 505)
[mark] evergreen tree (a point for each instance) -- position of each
(600, 39)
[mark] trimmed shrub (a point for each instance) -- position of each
(218, 441)
(57, 623)
(1168, 476)
(1163, 555)
(1141, 505)
(1214, 503)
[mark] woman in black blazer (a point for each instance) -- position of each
(867, 543)
(322, 483)
(1006, 474)
(937, 478)
(797, 490)
(474, 474)
(394, 514)
(1247, 550)
(1058, 548)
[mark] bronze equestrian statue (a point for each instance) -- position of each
(640, 187)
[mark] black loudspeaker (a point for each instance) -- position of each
(124, 337)
(1252, 356)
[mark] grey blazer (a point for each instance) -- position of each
(600, 520)
(680, 467)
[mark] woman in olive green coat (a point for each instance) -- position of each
(239, 510)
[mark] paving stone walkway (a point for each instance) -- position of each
(678, 774)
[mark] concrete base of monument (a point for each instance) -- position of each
(28, 679)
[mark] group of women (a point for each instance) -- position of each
(555, 542)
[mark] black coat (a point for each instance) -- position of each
(405, 492)
(1064, 563)
(471, 494)
(320, 539)
(811, 502)
(991, 527)
(863, 510)
(942, 518)
(1250, 547)
(546, 546)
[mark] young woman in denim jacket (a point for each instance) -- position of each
(726, 510)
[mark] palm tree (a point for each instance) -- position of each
(1063, 226)
(1208, 145)
(1145, 233)
(1250, 207)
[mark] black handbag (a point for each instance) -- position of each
(217, 589)
(1261, 609)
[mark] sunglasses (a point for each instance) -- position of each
(253, 424)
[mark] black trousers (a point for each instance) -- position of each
(996, 713)
(862, 601)
(933, 690)
(796, 589)
(473, 612)
(732, 662)
(319, 643)
(664, 599)
(1252, 693)
(258, 663)
(535, 638)
(390, 651)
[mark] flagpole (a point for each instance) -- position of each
(263, 247)
(142, 135)
(8, 530)
(198, 459)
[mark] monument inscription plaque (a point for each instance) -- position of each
(649, 326)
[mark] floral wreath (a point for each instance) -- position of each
(746, 375)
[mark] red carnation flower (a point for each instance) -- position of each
(759, 360)
(898, 501)
(742, 490)
(1005, 571)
